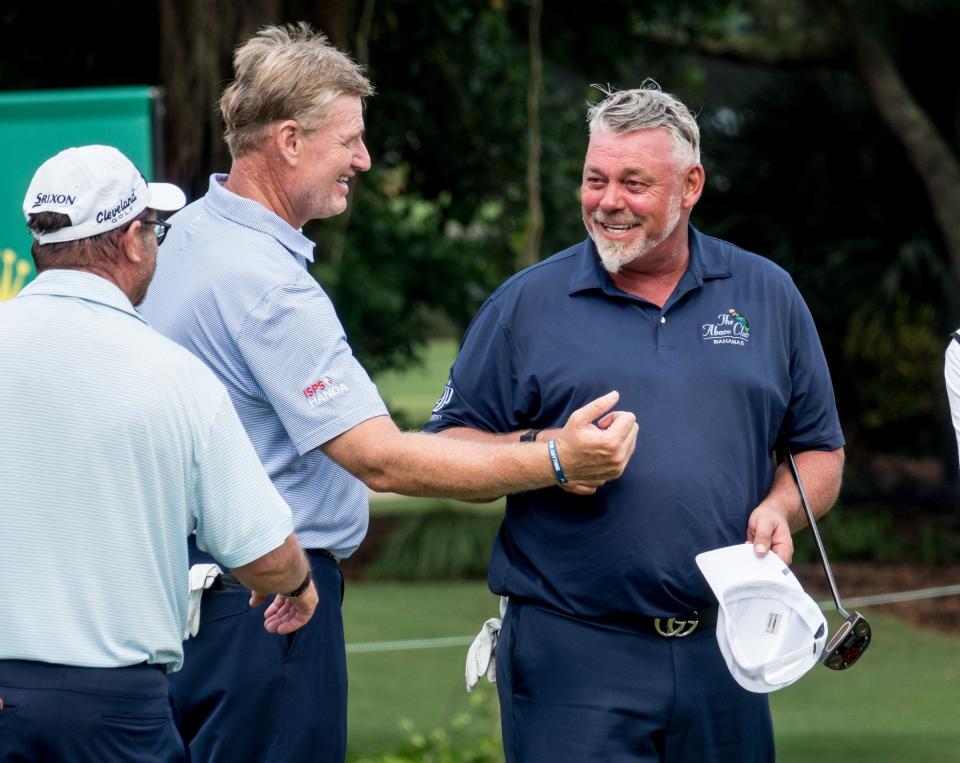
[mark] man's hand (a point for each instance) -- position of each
(285, 615)
(592, 453)
(768, 529)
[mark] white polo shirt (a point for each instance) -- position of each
(951, 373)
(115, 445)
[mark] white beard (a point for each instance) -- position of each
(615, 254)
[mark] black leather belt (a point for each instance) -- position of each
(323, 552)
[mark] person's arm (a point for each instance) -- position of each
(244, 523)
(281, 571)
(581, 487)
(415, 463)
(772, 523)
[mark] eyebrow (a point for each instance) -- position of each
(626, 172)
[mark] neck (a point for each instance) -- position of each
(123, 280)
(254, 178)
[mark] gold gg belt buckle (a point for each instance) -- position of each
(675, 628)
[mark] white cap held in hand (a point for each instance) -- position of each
(769, 630)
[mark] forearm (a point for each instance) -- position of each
(821, 473)
(472, 468)
(475, 435)
(279, 571)
(593, 446)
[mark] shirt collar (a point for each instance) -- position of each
(80, 285)
(252, 214)
(707, 262)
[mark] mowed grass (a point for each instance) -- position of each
(900, 703)
(426, 686)
(413, 392)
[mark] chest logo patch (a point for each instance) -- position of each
(730, 327)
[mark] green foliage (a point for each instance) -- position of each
(880, 534)
(440, 545)
(894, 353)
(406, 270)
(852, 536)
(461, 741)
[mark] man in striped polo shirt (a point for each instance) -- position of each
(116, 444)
(233, 288)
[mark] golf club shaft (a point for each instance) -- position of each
(816, 533)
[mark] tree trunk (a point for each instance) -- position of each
(534, 232)
(196, 55)
(929, 153)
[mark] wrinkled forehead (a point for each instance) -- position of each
(647, 150)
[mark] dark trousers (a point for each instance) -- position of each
(574, 691)
(247, 695)
(55, 713)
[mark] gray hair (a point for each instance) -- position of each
(285, 72)
(644, 108)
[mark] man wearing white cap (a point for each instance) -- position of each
(116, 444)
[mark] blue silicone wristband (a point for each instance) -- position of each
(555, 462)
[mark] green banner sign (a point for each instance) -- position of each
(35, 125)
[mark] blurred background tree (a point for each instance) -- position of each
(830, 140)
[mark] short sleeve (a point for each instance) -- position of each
(811, 421)
(239, 514)
(951, 373)
(297, 351)
(482, 390)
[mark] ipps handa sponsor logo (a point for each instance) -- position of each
(730, 327)
(121, 210)
(323, 390)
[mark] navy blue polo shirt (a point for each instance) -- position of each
(732, 360)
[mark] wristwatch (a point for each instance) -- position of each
(530, 435)
(300, 588)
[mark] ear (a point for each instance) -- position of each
(131, 242)
(693, 181)
(287, 138)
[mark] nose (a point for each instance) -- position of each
(361, 158)
(611, 200)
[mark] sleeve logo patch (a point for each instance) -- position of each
(444, 398)
(322, 390)
(730, 327)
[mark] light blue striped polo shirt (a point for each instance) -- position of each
(115, 445)
(232, 287)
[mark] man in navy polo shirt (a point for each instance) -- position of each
(607, 650)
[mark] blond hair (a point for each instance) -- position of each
(285, 72)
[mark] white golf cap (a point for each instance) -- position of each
(769, 630)
(98, 188)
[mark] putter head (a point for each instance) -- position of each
(848, 644)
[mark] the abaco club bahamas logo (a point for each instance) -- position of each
(13, 274)
(730, 327)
